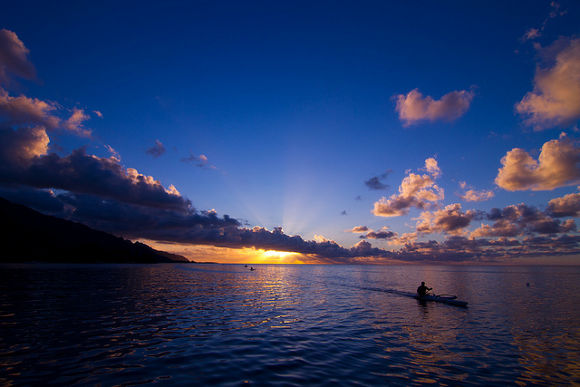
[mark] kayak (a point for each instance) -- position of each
(451, 300)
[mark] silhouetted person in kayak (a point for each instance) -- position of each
(422, 290)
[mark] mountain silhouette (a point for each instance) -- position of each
(29, 236)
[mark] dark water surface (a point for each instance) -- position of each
(222, 324)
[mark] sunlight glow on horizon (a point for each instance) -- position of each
(246, 255)
(278, 254)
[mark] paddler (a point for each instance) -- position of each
(422, 290)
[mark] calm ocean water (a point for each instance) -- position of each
(290, 325)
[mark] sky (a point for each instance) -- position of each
(300, 132)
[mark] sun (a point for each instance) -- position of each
(276, 254)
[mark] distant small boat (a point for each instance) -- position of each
(450, 300)
(245, 265)
(252, 269)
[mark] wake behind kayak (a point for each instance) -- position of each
(445, 299)
(451, 300)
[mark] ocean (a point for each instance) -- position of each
(287, 325)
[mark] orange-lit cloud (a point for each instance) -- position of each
(476, 196)
(415, 191)
(413, 107)
(14, 58)
(568, 205)
(24, 111)
(407, 238)
(472, 195)
(555, 100)
(557, 166)
(432, 167)
(358, 229)
(450, 220)
(75, 122)
(501, 228)
(19, 148)
(27, 111)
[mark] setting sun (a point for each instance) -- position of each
(276, 254)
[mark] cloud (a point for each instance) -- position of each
(14, 58)
(416, 190)
(383, 233)
(41, 200)
(21, 146)
(413, 107)
(471, 195)
(432, 167)
(113, 152)
(555, 10)
(375, 182)
(501, 228)
(476, 196)
(557, 166)
(407, 238)
(24, 111)
(24, 160)
(75, 122)
(199, 161)
(27, 111)
(358, 229)
(516, 220)
(460, 248)
(555, 100)
(450, 220)
(531, 34)
(321, 238)
(534, 33)
(156, 150)
(568, 205)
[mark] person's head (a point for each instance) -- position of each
(423, 283)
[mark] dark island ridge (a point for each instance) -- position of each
(29, 236)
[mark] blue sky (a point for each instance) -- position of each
(294, 104)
